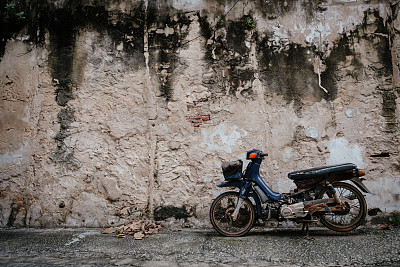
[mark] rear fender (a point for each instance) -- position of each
(357, 181)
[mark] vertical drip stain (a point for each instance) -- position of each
(65, 25)
(62, 41)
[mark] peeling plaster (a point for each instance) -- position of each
(381, 197)
(352, 112)
(341, 152)
(195, 4)
(218, 140)
(15, 157)
(328, 25)
(311, 132)
(287, 154)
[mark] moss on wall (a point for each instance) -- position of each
(11, 20)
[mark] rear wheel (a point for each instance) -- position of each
(354, 213)
(221, 212)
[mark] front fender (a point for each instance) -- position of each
(239, 184)
(258, 204)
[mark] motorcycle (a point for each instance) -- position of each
(320, 194)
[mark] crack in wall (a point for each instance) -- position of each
(153, 115)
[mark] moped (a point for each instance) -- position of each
(320, 194)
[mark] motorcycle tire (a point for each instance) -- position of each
(221, 212)
(347, 221)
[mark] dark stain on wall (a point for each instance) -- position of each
(376, 31)
(62, 41)
(389, 110)
(345, 61)
(236, 36)
(13, 214)
(18, 206)
(228, 57)
(208, 32)
(167, 32)
(285, 69)
(274, 8)
(64, 25)
(375, 36)
(312, 7)
(165, 212)
(123, 28)
(288, 71)
(63, 32)
(335, 70)
(205, 27)
(288, 68)
(64, 154)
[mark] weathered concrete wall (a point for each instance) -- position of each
(118, 110)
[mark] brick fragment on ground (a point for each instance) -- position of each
(138, 229)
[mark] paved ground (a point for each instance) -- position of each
(268, 247)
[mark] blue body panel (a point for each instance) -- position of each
(253, 174)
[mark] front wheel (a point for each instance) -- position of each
(353, 216)
(221, 212)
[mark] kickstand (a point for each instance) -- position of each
(306, 227)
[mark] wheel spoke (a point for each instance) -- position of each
(350, 217)
(221, 215)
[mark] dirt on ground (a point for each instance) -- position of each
(201, 247)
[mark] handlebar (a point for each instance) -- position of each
(255, 154)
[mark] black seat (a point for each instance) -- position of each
(320, 172)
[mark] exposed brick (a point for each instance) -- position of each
(205, 117)
(197, 117)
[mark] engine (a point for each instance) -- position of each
(301, 209)
(293, 211)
